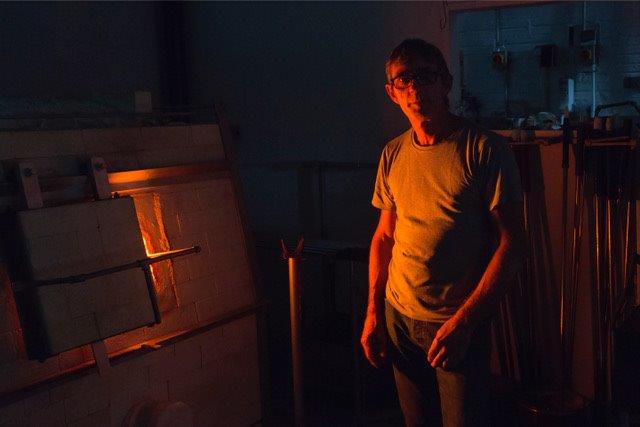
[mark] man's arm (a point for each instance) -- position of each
(374, 334)
(452, 339)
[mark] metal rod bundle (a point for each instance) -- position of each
(565, 359)
(525, 331)
(529, 345)
(571, 294)
(612, 175)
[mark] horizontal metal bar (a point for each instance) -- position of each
(223, 319)
(141, 263)
(128, 354)
(604, 144)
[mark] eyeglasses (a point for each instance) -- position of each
(419, 78)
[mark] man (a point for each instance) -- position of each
(448, 239)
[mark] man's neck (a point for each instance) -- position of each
(431, 132)
(423, 137)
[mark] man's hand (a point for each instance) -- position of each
(374, 340)
(450, 344)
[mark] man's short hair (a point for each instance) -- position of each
(410, 48)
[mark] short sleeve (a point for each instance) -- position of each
(502, 175)
(382, 196)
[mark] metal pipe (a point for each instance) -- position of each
(593, 85)
(600, 301)
(540, 297)
(610, 282)
(577, 243)
(626, 296)
(526, 331)
(296, 348)
(534, 297)
(596, 298)
(566, 141)
(575, 254)
(609, 239)
(523, 313)
(293, 261)
(142, 263)
(623, 298)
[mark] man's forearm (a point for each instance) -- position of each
(482, 302)
(379, 258)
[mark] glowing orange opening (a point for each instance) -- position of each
(149, 212)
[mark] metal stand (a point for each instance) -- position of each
(293, 259)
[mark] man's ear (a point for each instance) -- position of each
(391, 93)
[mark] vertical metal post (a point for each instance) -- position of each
(574, 272)
(293, 261)
(566, 143)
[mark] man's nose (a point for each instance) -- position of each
(413, 87)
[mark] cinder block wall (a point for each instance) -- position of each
(522, 30)
(216, 371)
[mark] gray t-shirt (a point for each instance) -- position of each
(442, 195)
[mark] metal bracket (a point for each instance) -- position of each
(28, 178)
(286, 253)
(101, 357)
(100, 178)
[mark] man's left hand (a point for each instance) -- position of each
(450, 344)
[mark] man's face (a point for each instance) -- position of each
(419, 88)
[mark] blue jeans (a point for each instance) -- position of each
(458, 396)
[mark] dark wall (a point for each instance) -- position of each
(304, 81)
(301, 81)
(69, 57)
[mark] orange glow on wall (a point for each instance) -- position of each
(149, 213)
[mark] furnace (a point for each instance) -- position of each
(105, 325)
